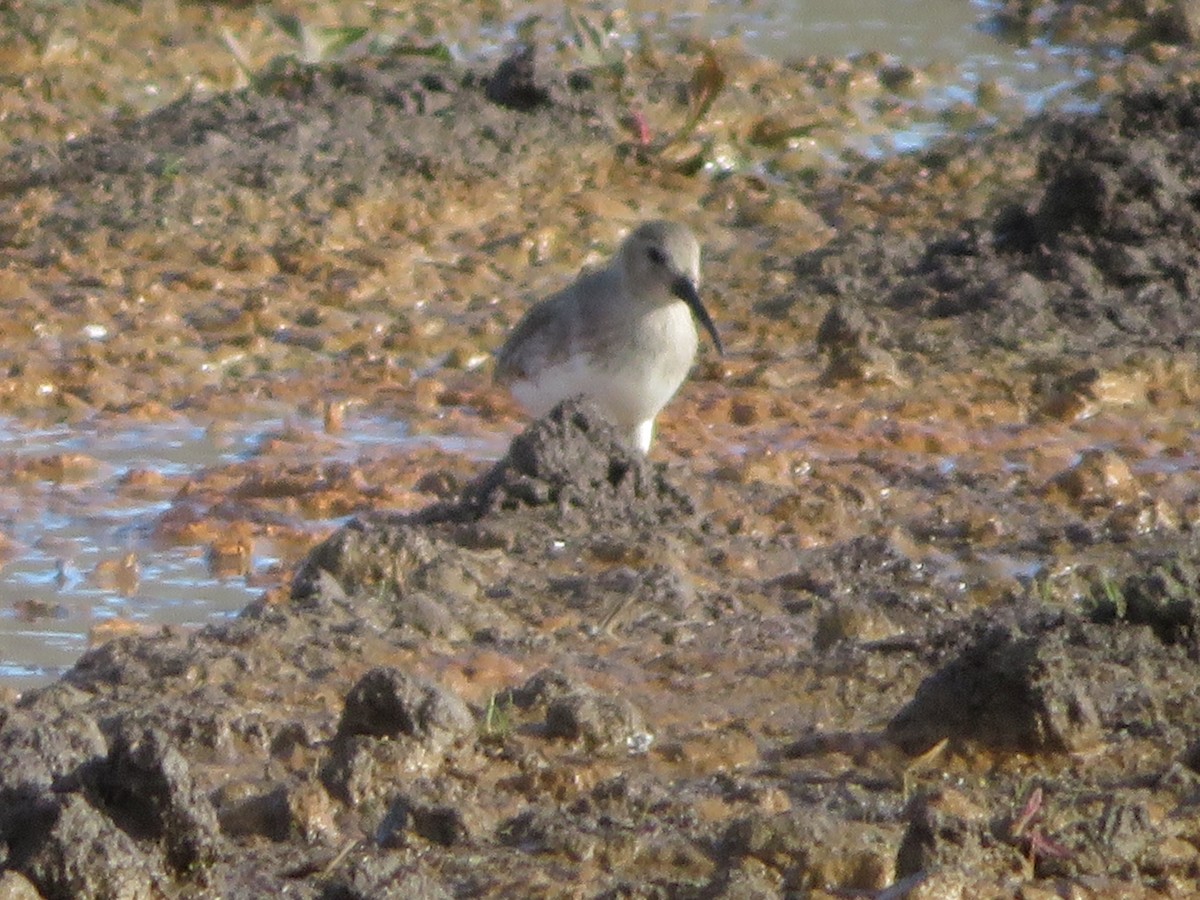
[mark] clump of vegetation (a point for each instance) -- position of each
(314, 45)
(606, 58)
(497, 721)
(1164, 598)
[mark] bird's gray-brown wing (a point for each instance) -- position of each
(550, 331)
(542, 338)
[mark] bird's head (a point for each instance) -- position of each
(662, 259)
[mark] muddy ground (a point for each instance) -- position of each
(902, 604)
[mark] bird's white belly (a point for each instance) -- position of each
(630, 380)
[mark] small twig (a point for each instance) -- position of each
(341, 857)
(1033, 806)
(1026, 830)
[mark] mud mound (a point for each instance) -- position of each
(1101, 256)
(318, 136)
(575, 461)
(569, 472)
(1051, 683)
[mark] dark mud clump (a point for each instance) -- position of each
(514, 85)
(1100, 258)
(1050, 683)
(574, 460)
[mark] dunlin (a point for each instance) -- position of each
(622, 336)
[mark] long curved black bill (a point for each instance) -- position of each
(683, 288)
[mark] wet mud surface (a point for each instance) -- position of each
(903, 602)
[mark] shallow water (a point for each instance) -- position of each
(953, 37)
(918, 32)
(69, 531)
(947, 33)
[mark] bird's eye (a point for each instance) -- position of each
(657, 256)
